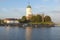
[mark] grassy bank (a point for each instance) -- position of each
(49, 23)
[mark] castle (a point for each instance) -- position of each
(29, 13)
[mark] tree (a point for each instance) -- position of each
(33, 18)
(19, 20)
(0, 21)
(38, 18)
(23, 18)
(47, 19)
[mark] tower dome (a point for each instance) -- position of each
(28, 6)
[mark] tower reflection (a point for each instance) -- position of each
(28, 33)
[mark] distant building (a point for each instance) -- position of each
(28, 12)
(11, 20)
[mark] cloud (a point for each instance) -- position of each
(12, 12)
(46, 8)
(56, 0)
(40, 8)
(55, 12)
(4, 9)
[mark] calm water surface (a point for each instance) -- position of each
(28, 33)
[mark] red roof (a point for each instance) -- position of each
(11, 19)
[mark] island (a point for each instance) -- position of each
(29, 19)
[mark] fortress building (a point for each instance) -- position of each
(28, 12)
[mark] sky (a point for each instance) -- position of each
(17, 8)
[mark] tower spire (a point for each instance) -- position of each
(28, 11)
(28, 2)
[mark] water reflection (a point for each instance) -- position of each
(38, 33)
(7, 28)
(28, 33)
(41, 33)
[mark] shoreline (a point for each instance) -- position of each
(27, 24)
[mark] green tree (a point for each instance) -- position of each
(23, 18)
(0, 21)
(38, 18)
(19, 20)
(33, 18)
(47, 19)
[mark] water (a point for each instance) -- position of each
(29, 33)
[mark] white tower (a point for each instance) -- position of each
(28, 12)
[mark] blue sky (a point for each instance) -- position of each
(17, 8)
